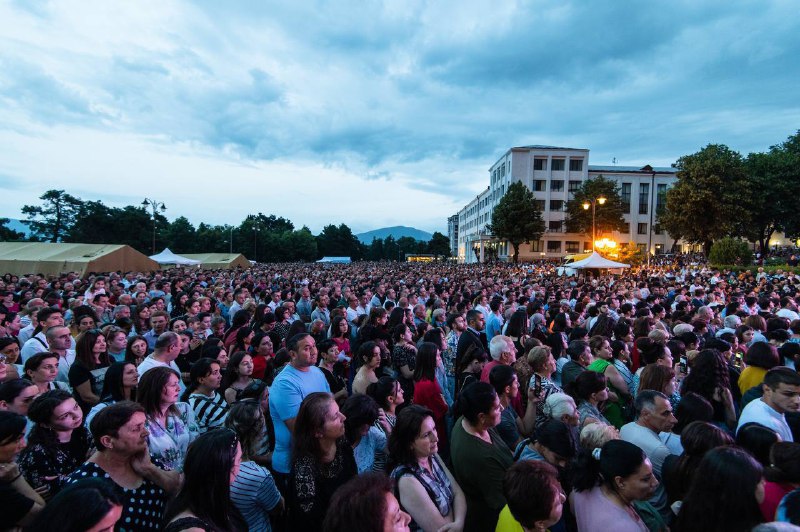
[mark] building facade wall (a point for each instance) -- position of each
(553, 173)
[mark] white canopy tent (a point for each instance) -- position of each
(596, 261)
(168, 257)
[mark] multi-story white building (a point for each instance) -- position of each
(553, 174)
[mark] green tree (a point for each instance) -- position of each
(710, 199)
(213, 239)
(391, 251)
(727, 251)
(375, 250)
(7, 234)
(95, 223)
(516, 217)
(776, 176)
(339, 241)
(134, 227)
(439, 244)
(409, 246)
(180, 236)
(300, 245)
(52, 220)
(608, 216)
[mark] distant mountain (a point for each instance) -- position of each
(397, 231)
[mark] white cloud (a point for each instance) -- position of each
(370, 113)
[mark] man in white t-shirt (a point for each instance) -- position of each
(781, 395)
(168, 347)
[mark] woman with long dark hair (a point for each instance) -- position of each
(253, 491)
(404, 356)
(210, 408)
(262, 351)
(20, 503)
(697, 439)
(89, 504)
(426, 488)
(237, 377)
(322, 461)
(427, 391)
(204, 501)
(136, 350)
(120, 384)
(87, 372)
(57, 444)
(709, 377)
(170, 423)
(725, 495)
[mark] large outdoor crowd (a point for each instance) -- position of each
(391, 397)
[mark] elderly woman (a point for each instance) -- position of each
(426, 488)
(544, 366)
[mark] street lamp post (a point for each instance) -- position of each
(231, 242)
(593, 204)
(155, 205)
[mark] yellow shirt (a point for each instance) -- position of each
(507, 523)
(751, 376)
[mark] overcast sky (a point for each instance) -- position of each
(370, 113)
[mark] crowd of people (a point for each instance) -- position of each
(391, 397)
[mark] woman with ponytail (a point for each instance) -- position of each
(612, 486)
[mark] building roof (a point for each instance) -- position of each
(543, 147)
(632, 169)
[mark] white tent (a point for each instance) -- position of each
(335, 260)
(596, 261)
(168, 257)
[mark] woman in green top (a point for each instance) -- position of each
(480, 458)
(620, 396)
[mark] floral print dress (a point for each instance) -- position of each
(168, 444)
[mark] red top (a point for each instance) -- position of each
(427, 393)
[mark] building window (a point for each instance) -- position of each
(642, 247)
(557, 165)
(503, 170)
(539, 185)
(540, 204)
(536, 245)
(644, 196)
(587, 246)
(575, 165)
(626, 198)
(573, 186)
(661, 197)
(554, 246)
(657, 229)
(554, 226)
(556, 186)
(556, 205)
(539, 163)
(641, 229)
(572, 247)
(626, 229)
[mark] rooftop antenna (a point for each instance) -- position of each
(614, 161)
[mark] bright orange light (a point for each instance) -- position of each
(605, 243)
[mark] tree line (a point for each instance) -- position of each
(62, 217)
(718, 194)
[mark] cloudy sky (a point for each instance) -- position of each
(370, 113)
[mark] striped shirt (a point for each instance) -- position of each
(209, 412)
(254, 493)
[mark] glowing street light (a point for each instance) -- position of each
(593, 204)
